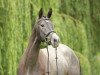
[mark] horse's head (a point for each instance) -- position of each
(45, 29)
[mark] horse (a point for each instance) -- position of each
(34, 60)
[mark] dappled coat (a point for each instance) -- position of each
(68, 63)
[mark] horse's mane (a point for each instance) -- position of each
(33, 46)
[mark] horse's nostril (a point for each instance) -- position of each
(46, 39)
(55, 40)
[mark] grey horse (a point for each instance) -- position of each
(34, 60)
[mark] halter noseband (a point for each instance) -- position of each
(49, 33)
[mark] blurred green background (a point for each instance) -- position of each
(77, 22)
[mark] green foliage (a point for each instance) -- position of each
(71, 32)
(76, 22)
(85, 65)
(96, 64)
(15, 28)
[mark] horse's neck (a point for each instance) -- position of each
(32, 51)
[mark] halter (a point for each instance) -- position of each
(45, 18)
(48, 72)
(49, 33)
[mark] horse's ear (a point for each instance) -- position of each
(49, 13)
(40, 13)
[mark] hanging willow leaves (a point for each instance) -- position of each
(77, 22)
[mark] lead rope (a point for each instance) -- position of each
(56, 60)
(48, 72)
(48, 62)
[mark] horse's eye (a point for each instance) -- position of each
(42, 25)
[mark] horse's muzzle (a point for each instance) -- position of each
(55, 40)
